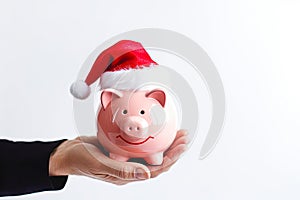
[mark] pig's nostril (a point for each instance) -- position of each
(130, 128)
(137, 128)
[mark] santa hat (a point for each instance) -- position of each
(118, 61)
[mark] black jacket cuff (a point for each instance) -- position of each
(24, 168)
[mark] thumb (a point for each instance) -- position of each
(127, 170)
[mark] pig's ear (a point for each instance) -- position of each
(107, 96)
(159, 95)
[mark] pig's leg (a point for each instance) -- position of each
(155, 159)
(118, 157)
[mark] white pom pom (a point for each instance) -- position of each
(80, 90)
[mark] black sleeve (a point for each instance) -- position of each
(24, 168)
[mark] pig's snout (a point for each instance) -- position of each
(134, 126)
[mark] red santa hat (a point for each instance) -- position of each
(122, 59)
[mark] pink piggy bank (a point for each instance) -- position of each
(137, 124)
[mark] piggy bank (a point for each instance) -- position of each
(132, 123)
(137, 124)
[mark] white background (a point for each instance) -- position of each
(254, 44)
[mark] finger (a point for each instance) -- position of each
(181, 132)
(171, 157)
(181, 140)
(118, 181)
(115, 180)
(127, 170)
(174, 153)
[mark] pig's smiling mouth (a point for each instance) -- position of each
(135, 143)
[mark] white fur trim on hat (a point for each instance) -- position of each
(131, 79)
(80, 89)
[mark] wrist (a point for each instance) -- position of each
(57, 166)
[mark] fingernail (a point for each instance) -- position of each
(141, 174)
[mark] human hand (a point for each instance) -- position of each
(82, 156)
(172, 154)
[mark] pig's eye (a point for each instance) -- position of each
(142, 112)
(124, 112)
